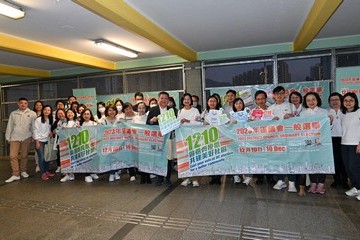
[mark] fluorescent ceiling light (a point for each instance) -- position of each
(116, 48)
(10, 10)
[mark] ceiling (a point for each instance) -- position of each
(58, 35)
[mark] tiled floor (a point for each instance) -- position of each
(34, 209)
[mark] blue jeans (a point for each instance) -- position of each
(352, 164)
(44, 166)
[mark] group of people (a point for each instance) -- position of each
(42, 122)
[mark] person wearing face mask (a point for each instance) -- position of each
(196, 100)
(119, 106)
(100, 113)
(153, 102)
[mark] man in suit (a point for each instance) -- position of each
(152, 119)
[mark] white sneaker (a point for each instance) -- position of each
(66, 178)
(186, 182)
(353, 192)
(292, 187)
(24, 175)
(71, 176)
(237, 179)
(195, 183)
(117, 176)
(88, 179)
(58, 170)
(247, 180)
(132, 179)
(358, 197)
(37, 169)
(279, 185)
(12, 178)
(112, 177)
(152, 176)
(94, 176)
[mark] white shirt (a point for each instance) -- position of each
(41, 130)
(89, 123)
(20, 125)
(315, 111)
(106, 121)
(70, 124)
(99, 120)
(140, 119)
(336, 128)
(190, 114)
(279, 110)
(351, 128)
(227, 109)
(297, 111)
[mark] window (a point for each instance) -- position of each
(348, 60)
(12, 94)
(104, 84)
(239, 74)
(61, 89)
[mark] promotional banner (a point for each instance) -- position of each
(348, 80)
(247, 93)
(102, 148)
(168, 121)
(86, 96)
(292, 146)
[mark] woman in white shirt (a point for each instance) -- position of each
(100, 113)
(188, 115)
(340, 176)
(42, 131)
(350, 142)
(296, 99)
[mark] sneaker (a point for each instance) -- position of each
(279, 185)
(312, 188)
(292, 187)
(237, 179)
(186, 182)
(65, 178)
(49, 174)
(44, 177)
(37, 169)
(58, 170)
(117, 176)
(247, 181)
(195, 183)
(320, 188)
(88, 179)
(24, 175)
(12, 178)
(358, 197)
(94, 176)
(111, 177)
(71, 176)
(152, 176)
(353, 192)
(132, 178)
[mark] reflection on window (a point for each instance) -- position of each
(155, 81)
(306, 69)
(57, 89)
(348, 60)
(12, 94)
(104, 84)
(239, 75)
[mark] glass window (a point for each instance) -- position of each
(239, 75)
(104, 84)
(348, 60)
(12, 94)
(155, 81)
(304, 69)
(57, 89)
(8, 108)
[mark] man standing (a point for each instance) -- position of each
(152, 119)
(19, 135)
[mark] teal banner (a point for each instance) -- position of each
(348, 80)
(86, 96)
(291, 146)
(101, 148)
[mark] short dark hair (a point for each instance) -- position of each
(231, 91)
(195, 96)
(317, 96)
(126, 105)
(258, 92)
(207, 105)
(71, 110)
(113, 107)
(59, 101)
(163, 93)
(22, 99)
(335, 94)
(237, 100)
(353, 95)
(278, 89)
(217, 96)
(183, 97)
(297, 94)
(71, 97)
(139, 94)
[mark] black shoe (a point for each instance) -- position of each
(260, 180)
(212, 181)
(270, 179)
(168, 183)
(345, 185)
(159, 181)
(334, 184)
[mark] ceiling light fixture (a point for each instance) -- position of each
(10, 10)
(116, 48)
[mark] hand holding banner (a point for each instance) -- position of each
(168, 121)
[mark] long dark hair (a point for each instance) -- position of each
(237, 100)
(182, 100)
(56, 114)
(352, 95)
(38, 101)
(42, 116)
(97, 110)
(217, 105)
(81, 116)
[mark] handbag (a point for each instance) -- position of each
(49, 153)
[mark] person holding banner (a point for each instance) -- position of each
(152, 119)
(312, 104)
(42, 132)
(350, 142)
(296, 99)
(87, 119)
(340, 176)
(60, 121)
(230, 96)
(189, 115)
(110, 119)
(282, 110)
